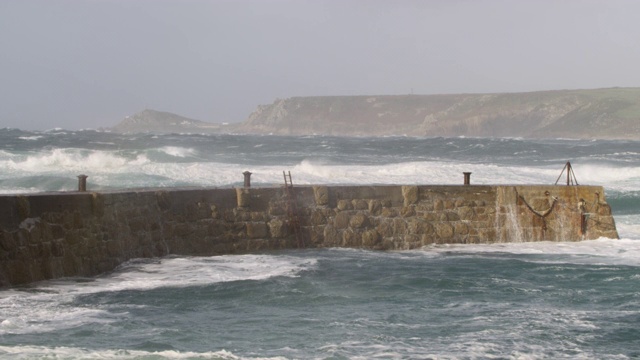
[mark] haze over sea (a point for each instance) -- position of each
(494, 301)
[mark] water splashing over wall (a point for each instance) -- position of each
(507, 224)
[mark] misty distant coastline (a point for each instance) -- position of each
(162, 122)
(612, 113)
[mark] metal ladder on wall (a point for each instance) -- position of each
(292, 209)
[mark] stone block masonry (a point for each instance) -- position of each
(53, 235)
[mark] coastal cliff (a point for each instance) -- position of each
(575, 114)
(603, 114)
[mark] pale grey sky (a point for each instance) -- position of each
(89, 63)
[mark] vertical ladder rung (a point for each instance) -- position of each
(292, 210)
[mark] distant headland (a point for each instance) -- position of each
(162, 122)
(612, 113)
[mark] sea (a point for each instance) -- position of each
(517, 300)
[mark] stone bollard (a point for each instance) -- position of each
(467, 178)
(247, 179)
(82, 182)
(243, 197)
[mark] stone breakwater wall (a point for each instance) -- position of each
(53, 235)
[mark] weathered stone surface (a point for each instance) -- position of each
(444, 230)
(344, 205)
(419, 226)
(97, 204)
(318, 218)
(604, 209)
(83, 234)
(358, 220)
(317, 236)
(408, 211)
(399, 226)
(277, 228)
(411, 241)
(388, 212)
(321, 194)
(370, 238)
(461, 229)
(351, 238)
(452, 216)
(385, 228)
(375, 207)
(239, 215)
(7, 242)
(342, 220)
(24, 208)
(277, 209)
(540, 204)
(466, 213)
(360, 204)
(410, 195)
(424, 206)
(449, 204)
(428, 239)
(331, 236)
(432, 216)
(258, 216)
(215, 214)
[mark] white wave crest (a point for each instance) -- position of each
(49, 306)
(194, 271)
(65, 160)
(116, 169)
(628, 226)
(31, 138)
(177, 151)
(612, 177)
(424, 172)
(597, 252)
(41, 352)
(6, 155)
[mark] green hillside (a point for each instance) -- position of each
(602, 113)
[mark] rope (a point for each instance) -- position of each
(538, 213)
(541, 215)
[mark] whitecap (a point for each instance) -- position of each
(61, 352)
(177, 151)
(48, 306)
(31, 138)
(592, 252)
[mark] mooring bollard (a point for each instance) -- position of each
(82, 182)
(467, 178)
(247, 179)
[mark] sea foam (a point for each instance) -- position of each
(49, 305)
(62, 352)
(595, 252)
(177, 151)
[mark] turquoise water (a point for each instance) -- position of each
(495, 301)
(498, 301)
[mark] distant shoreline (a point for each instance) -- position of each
(604, 114)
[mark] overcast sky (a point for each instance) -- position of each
(88, 63)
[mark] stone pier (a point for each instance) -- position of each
(53, 235)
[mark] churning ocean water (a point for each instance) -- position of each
(522, 300)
